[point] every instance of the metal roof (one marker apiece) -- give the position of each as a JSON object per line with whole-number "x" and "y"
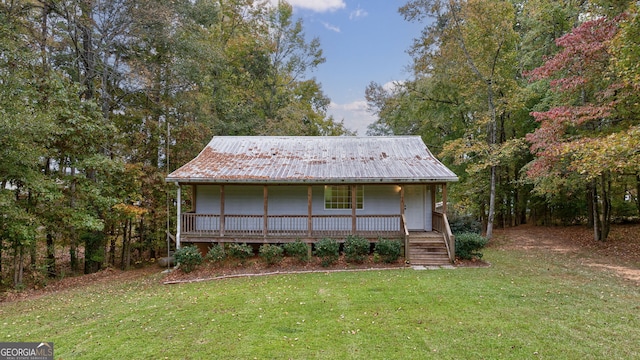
{"x": 314, "y": 159}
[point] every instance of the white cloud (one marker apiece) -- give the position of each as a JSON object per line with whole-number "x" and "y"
{"x": 317, "y": 5}
{"x": 331, "y": 27}
{"x": 355, "y": 115}
{"x": 393, "y": 86}
{"x": 358, "y": 13}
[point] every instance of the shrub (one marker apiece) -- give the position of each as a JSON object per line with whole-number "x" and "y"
{"x": 328, "y": 250}
{"x": 188, "y": 257}
{"x": 388, "y": 250}
{"x": 468, "y": 244}
{"x": 216, "y": 253}
{"x": 240, "y": 251}
{"x": 271, "y": 254}
{"x": 298, "y": 250}
{"x": 356, "y": 248}
{"x": 460, "y": 224}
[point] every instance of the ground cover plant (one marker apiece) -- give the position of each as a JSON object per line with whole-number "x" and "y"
{"x": 271, "y": 254}
{"x": 298, "y": 250}
{"x": 188, "y": 257}
{"x": 328, "y": 250}
{"x": 216, "y": 253}
{"x": 468, "y": 245}
{"x": 535, "y": 301}
{"x": 388, "y": 250}
{"x": 356, "y": 248}
{"x": 240, "y": 251}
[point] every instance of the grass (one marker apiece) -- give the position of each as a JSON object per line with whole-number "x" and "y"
{"x": 527, "y": 305}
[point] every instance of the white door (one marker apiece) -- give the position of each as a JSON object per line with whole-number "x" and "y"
{"x": 414, "y": 202}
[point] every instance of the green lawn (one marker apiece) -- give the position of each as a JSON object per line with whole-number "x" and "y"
{"x": 533, "y": 305}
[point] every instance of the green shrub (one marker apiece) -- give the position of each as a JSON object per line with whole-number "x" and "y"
{"x": 188, "y": 257}
{"x": 460, "y": 224}
{"x": 271, "y": 254}
{"x": 388, "y": 250}
{"x": 468, "y": 244}
{"x": 356, "y": 248}
{"x": 328, "y": 250}
{"x": 298, "y": 250}
{"x": 240, "y": 251}
{"x": 216, "y": 253}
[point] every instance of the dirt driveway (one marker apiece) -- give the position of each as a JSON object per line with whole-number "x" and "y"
{"x": 620, "y": 253}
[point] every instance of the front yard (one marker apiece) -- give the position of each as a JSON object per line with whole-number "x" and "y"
{"x": 534, "y": 301}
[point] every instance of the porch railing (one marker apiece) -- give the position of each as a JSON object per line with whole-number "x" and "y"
{"x": 405, "y": 235}
{"x": 441, "y": 225}
{"x": 289, "y": 225}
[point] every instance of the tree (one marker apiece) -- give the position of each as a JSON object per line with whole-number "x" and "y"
{"x": 589, "y": 130}
{"x": 471, "y": 44}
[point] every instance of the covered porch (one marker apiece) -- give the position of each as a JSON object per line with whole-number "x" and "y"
{"x": 223, "y": 227}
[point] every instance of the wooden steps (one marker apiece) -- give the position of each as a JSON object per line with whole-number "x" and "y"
{"x": 428, "y": 249}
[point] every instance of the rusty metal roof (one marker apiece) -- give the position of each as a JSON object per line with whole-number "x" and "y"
{"x": 314, "y": 159}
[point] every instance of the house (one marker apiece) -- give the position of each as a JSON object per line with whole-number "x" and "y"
{"x": 275, "y": 189}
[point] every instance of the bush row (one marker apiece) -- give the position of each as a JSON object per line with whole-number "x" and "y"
{"x": 355, "y": 249}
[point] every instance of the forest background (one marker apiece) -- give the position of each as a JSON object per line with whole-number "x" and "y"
{"x": 533, "y": 103}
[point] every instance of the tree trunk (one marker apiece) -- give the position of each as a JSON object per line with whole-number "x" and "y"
{"x": 638, "y": 192}
{"x": 93, "y": 251}
{"x": 50, "y": 264}
{"x": 127, "y": 254}
{"x": 492, "y": 203}
{"x": 33, "y": 255}
{"x": 73, "y": 245}
{"x": 595, "y": 210}
{"x": 606, "y": 205}
{"x": 590, "y": 199}
{"x": 1, "y": 247}
{"x": 112, "y": 246}
{"x": 124, "y": 245}
{"x": 18, "y": 266}
{"x": 73, "y": 256}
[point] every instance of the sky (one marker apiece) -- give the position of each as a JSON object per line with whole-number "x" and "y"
{"x": 362, "y": 41}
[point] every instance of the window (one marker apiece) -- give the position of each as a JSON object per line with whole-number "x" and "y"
{"x": 339, "y": 197}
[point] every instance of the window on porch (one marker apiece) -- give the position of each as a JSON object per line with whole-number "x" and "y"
{"x": 338, "y": 197}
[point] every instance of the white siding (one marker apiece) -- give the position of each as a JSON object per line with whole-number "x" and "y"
{"x": 287, "y": 200}
{"x": 291, "y": 200}
{"x": 207, "y": 199}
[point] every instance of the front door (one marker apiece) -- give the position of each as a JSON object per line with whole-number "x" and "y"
{"x": 414, "y": 202}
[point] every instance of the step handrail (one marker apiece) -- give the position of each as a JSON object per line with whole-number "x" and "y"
{"x": 406, "y": 237}
{"x": 441, "y": 224}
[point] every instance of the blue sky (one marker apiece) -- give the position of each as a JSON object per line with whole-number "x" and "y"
{"x": 362, "y": 41}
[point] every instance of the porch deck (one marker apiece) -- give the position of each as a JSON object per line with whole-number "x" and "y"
{"x": 420, "y": 247}
{"x": 283, "y": 228}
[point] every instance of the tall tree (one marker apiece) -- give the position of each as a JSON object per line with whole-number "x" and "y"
{"x": 590, "y": 122}
{"x": 473, "y": 43}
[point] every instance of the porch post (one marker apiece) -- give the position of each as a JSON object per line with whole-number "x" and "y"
{"x": 401, "y": 200}
{"x": 354, "y": 206}
{"x": 221, "y": 210}
{"x": 309, "y": 210}
{"x": 265, "y": 219}
{"x": 179, "y": 219}
{"x": 403, "y": 224}
{"x": 444, "y": 198}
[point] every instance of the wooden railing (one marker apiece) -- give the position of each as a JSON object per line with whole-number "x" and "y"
{"x": 405, "y": 235}
{"x": 290, "y": 225}
{"x": 441, "y": 225}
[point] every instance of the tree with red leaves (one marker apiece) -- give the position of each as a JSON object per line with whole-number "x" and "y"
{"x": 590, "y": 128}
